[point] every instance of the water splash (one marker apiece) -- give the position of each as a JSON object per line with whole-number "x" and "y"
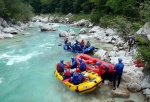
{"x": 12, "y": 59}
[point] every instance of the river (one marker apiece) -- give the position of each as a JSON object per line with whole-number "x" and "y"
{"x": 27, "y": 66}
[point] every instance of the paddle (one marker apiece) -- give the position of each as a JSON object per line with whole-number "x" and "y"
{"x": 60, "y": 44}
{"x": 66, "y": 80}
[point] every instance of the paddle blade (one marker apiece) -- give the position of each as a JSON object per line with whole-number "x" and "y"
{"x": 59, "y": 44}
{"x": 66, "y": 80}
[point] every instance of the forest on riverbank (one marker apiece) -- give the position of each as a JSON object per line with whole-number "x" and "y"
{"x": 125, "y": 15}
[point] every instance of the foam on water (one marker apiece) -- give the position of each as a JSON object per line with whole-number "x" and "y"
{"x": 1, "y": 80}
{"x": 47, "y": 45}
{"x": 12, "y": 59}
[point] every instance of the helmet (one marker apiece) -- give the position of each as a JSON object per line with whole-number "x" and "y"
{"x": 72, "y": 58}
{"x": 77, "y": 70}
{"x": 98, "y": 63}
{"x": 119, "y": 60}
{"x": 61, "y": 61}
{"x": 80, "y": 60}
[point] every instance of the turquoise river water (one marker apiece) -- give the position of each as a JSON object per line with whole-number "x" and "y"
{"x": 27, "y": 70}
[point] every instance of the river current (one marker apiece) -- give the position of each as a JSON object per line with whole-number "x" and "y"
{"x": 27, "y": 66}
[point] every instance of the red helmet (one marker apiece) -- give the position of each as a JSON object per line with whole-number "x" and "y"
{"x": 77, "y": 70}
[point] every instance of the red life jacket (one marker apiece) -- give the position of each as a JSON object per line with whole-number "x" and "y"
{"x": 67, "y": 73}
{"x": 58, "y": 67}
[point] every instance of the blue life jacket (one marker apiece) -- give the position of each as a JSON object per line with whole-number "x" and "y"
{"x": 82, "y": 66}
{"x": 77, "y": 78}
{"x": 119, "y": 68}
{"x": 62, "y": 66}
{"x": 74, "y": 64}
{"x": 66, "y": 41}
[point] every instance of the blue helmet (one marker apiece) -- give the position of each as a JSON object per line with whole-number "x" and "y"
{"x": 61, "y": 61}
{"x": 80, "y": 60}
{"x": 119, "y": 60}
{"x": 72, "y": 58}
{"x": 98, "y": 63}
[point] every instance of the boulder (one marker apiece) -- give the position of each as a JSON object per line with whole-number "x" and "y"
{"x": 145, "y": 29}
{"x": 133, "y": 87}
{"x": 147, "y": 93}
{"x": 121, "y": 93}
{"x": 112, "y": 54}
{"x": 7, "y": 36}
{"x": 127, "y": 78}
{"x": 1, "y": 36}
{"x": 94, "y": 29}
{"x": 83, "y": 22}
{"x": 148, "y": 36}
{"x": 10, "y": 30}
{"x": 3, "y": 23}
{"x": 83, "y": 31}
{"x": 145, "y": 82}
{"x": 101, "y": 54}
{"x": 110, "y": 32}
{"x": 47, "y": 27}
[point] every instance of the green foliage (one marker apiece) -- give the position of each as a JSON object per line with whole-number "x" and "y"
{"x": 80, "y": 16}
{"x": 144, "y": 51}
{"x": 95, "y": 16}
{"x": 142, "y": 40}
{"x": 15, "y": 9}
{"x": 118, "y": 22}
{"x": 145, "y": 11}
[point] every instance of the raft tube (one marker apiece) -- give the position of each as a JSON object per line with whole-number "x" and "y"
{"x": 85, "y": 50}
{"x": 87, "y": 86}
{"x": 91, "y": 62}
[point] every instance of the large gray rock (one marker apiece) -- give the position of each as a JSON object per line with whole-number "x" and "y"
{"x": 134, "y": 87}
{"x": 101, "y": 54}
{"x": 8, "y": 36}
{"x": 94, "y": 29}
{"x": 10, "y": 30}
{"x": 111, "y": 32}
{"x": 1, "y": 36}
{"x": 83, "y": 31}
{"x": 147, "y": 93}
{"x": 50, "y": 27}
{"x": 148, "y": 36}
{"x": 83, "y": 22}
{"x": 145, "y": 83}
{"x": 5, "y": 36}
{"x": 121, "y": 93}
{"x": 66, "y": 33}
{"x": 145, "y": 29}
{"x": 3, "y": 23}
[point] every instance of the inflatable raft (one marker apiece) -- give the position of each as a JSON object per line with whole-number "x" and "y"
{"x": 91, "y": 62}
{"x": 84, "y": 87}
{"x": 84, "y": 50}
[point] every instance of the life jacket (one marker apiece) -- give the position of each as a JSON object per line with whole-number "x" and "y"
{"x": 106, "y": 67}
{"x": 67, "y": 73}
{"x": 78, "y": 78}
{"x": 59, "y": 68}
{"x": 131, "y": 41}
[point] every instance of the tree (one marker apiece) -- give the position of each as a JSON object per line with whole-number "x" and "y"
{"x": 145, "y": 11}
